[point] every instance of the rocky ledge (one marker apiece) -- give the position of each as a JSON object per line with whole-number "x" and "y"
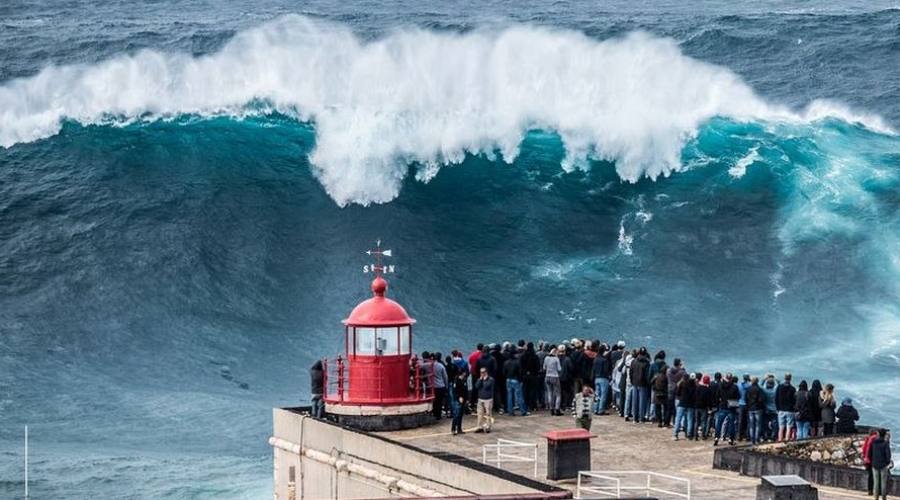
{"x": 841, "y": 450}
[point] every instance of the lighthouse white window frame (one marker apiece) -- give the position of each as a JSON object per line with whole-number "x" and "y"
{"x": 379, "y": 341}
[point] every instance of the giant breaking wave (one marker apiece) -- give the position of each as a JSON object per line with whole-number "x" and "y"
{"x": 417, "y": 97}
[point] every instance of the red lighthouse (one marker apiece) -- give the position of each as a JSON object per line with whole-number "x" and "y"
{"x": 378, "y": 384}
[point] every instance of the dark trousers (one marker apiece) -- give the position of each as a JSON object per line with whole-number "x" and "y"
{"x": 659, "y": 410}
{"x": 827, "y": 429}
{"x": 532, "y": 391}
{"x": 440, "y": 394}
{"x": 499, "y": 394}
{"x": 567, "y": 394}
{"x": 670, "y": 409}
{"x": 870, "y": 482}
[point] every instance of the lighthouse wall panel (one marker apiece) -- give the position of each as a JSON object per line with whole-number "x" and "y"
{"x": 363, "y": 464}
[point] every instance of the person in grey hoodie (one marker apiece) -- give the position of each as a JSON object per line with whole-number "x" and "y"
{"x": 552, "y": 387}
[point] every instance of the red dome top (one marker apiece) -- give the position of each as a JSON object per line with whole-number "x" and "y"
{"x": 379, "y": 310}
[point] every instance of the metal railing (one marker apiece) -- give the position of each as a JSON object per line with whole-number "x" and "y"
{"x": 337, "y": 380}
{"x": 612, "y": 487}
{"x": 500, "y": 456}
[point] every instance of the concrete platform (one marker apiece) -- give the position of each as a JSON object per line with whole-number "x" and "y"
{"x": 620, "y": 445}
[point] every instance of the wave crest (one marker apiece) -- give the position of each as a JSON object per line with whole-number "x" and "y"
{"x": 417, "y": 96}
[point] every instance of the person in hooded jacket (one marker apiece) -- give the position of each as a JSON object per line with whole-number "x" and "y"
{"x": 500, "y": 356}
{"x": 815, "y": 397}
{"x": 770, "y": 417}
{"x": 602, "y": 371}
{"x": 531, "y": 372}
{"x": 640, "y": 385}
{"x": 658, "y": 365}
{"x": 675, "y": 373}
{"x": 846, "y": 417}
{"x": 566, "y": 376}
{"x": 703, "y": 404}
{"x": 317, "y": 389}
{"x": 660, "y": 397}
{"x": 727, "y": 400}
{"x": 804, "y": 410}
{"x": 685, "y": 392}
{"x": 880, "y": 451}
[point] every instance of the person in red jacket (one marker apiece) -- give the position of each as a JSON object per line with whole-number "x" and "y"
{"x": 867, "y": 457}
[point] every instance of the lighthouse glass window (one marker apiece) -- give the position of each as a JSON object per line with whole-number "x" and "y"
{"x": 377, "y": 341}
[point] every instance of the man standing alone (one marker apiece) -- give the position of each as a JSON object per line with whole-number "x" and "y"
{"x": 484, "y": 389}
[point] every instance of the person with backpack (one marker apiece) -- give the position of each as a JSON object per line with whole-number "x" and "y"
{"x": 660, "y": 397}
{"x": 457, "y": 396}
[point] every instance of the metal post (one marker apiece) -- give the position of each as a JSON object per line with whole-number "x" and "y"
{"x": 535, "y": 461}
{"x": 578, "y": 489}
{"x": 648, "y": 484}
{"x": 26, "y": 461}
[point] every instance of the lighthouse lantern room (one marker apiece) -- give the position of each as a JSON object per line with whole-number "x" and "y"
{"x": 378, "y": 384}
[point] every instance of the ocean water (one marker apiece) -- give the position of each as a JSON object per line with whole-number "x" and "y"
{"x": 187, "y": 189}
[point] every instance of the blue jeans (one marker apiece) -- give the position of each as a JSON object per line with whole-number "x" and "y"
{"x": 628, "y": 393}
{"x": 755, "y": 425}
{"x": 456, "y": 409}
{"x": 702, "y": 420}
{"x": 684, "y": 416}
{"x": 318, "y": 406}
{"x": 721, "y": 415}
{"x": 601, "y": 385}
{"x": 640, "y": 397}
{"x": 803, "y": 429}
{"x": 514, "y": 393}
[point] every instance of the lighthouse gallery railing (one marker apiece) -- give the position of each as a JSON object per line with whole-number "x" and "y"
{"x": 337, "y": 381}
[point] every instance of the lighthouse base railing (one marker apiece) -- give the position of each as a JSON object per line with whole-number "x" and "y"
{"x": 339, "y": 390}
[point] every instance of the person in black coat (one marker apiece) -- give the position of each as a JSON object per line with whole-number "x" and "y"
{"x": 846, "y": 418}
{"x": 602, "y": 371}
{"x": 317, "y": 389}
{"x": 882, "y": 464}
{"x": 727, "y": 401}
{"x": 531, "y": 371}
{"x": 756, "y": 407}
{"x": 785, "y": 401}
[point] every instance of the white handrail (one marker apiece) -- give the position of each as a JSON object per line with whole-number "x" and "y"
{"x": 648, "y": 487}
{"x": 500, "y": 457}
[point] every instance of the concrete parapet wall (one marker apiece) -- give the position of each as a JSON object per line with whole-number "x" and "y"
{"x": 320, "y": 452}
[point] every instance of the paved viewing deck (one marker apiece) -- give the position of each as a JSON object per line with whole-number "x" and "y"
{"x": 619, "y": 446}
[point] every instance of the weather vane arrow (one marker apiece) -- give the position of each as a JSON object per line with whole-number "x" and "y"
{"x": 378, "y": 268}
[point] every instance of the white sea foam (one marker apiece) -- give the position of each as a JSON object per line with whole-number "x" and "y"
{"x": 416, "y": 96}
{"x": 740, "y": 167}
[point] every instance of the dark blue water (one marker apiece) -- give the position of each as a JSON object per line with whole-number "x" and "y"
{"x": 186, "y": 190}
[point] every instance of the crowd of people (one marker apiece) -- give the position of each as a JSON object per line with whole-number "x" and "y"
{"x": 592, "y": 378}
{"x": 588, "y": 378}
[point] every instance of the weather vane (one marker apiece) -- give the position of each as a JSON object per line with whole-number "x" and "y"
{"x": 378, "y": 267}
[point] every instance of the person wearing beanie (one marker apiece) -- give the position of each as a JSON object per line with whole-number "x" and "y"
{"x": 846, "y": 418}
